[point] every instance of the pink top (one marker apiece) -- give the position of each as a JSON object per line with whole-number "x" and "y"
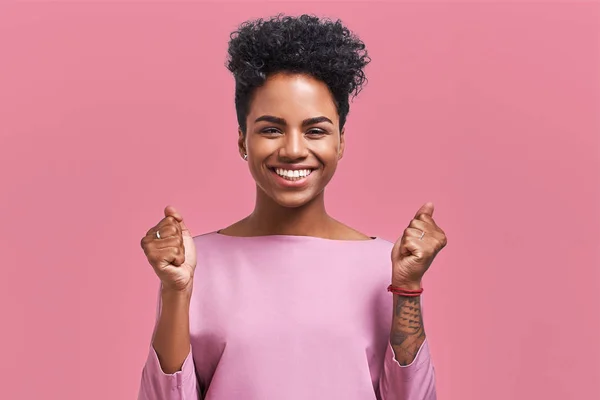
{"x": 291, "y": 317}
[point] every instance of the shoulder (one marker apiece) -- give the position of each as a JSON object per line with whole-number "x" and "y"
{"x": 206, "y": 238}
{"x": 346, "y": 232}
{"x": 353, "y": 234}
{"x": 382, "y": 246}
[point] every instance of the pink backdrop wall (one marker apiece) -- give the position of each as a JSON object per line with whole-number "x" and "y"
{"x": 109, "y": 112}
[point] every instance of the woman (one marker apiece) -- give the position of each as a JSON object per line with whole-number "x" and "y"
{"x": 289, "y": 303}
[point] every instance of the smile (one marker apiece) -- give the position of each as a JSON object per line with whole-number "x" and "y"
{"x": 292, "y": 174}
{"x": 292, "y": 178}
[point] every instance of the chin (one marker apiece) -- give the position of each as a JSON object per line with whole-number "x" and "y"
{"x": 292, "y": 200}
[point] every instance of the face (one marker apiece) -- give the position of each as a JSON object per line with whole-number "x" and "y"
{"x": 292, "y": 138}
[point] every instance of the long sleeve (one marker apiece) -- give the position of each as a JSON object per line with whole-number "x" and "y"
{"x": 415, "y": 381}
{"x": 156, "y": 385}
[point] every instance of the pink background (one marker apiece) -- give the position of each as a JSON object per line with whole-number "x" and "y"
{"x": 110, "y": 111}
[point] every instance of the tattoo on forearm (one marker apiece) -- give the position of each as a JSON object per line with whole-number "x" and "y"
{"x": 407, "y": 329}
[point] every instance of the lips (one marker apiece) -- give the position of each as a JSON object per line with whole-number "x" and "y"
{"x": 293, "y": 174}
{"x": 292, "y": 178}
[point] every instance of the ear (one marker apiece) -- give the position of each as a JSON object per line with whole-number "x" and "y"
{"x": 241, "y": 142}
{"x": 342, "y": 144}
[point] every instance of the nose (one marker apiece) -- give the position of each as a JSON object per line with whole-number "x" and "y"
{"x": 294, "y": 146}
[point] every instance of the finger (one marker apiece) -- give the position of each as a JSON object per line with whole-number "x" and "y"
{"x": 184, "y": 229}
{"x": 169, "y": 237}
{"x": 422, "y": 225}
{"x": 409, "y": 246}
{"x": 163, "y": 223}
{"x": 172, "y": 211}
{"x": 171, "y": 241}
{"x": 168, "y": 227}
{"x": 426, "y": 209}
{"x": 159, "y": 258}
{"x": 425, "y": 217}
{"x": 413, "y": 233}
{"x": 431, "y": 230}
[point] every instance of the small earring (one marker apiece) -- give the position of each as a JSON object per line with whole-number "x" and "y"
{"x": 245, "y": 156}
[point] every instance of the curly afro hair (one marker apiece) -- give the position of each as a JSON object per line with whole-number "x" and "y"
{"x": 322, "y": 48}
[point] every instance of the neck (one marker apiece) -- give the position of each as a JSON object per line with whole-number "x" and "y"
{"x": 270, "y": 218}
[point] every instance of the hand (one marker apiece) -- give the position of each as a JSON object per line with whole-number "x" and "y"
{"x": 173, "y": 256}
{"x": 412, "y": 257}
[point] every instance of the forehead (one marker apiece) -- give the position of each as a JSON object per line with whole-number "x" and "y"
{"x": 293, "y": 97}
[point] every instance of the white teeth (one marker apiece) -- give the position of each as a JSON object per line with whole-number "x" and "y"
{"x": 293, "y": 174}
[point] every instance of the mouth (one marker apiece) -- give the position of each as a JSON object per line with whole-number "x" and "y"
{"x": 292, "y": 177}
{"x": 292, "y": 174}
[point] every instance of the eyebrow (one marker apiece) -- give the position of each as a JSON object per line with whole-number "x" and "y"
{"x": 281, "y": 121}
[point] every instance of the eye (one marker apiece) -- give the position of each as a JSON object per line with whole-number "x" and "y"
{"x": 270, "y": 131}
{"x": 316, "y": 132}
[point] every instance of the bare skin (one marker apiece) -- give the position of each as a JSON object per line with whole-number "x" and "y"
{"x": 332, "y": 229}
{"x": 407, "y": 333}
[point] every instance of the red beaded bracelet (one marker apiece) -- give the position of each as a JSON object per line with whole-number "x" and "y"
{"x": 404, "y": 292}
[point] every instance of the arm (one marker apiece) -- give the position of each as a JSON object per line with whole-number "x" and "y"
{"x": 169, "y": 371}
{"x": 407, "y": 333}
{"x": 172, "y": 337}
{"x": 408, "y": 372}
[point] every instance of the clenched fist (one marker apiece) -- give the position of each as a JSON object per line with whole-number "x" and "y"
{"x": 172, "y": 252}
{"x": 414, "y": 252}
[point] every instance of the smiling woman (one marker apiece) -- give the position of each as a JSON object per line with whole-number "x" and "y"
{"x": 293, "y": 79}
{"x": 290, "y": 303}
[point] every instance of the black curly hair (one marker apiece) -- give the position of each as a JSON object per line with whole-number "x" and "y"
{"x": 322, "y": 48}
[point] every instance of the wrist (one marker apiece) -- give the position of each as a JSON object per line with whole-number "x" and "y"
{"x": 175, "y": 295}
{"x": 408, "y": 285}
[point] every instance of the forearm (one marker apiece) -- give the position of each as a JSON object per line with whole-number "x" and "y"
{"x": 172, "y": 337}
{"x": 407, "y": 333}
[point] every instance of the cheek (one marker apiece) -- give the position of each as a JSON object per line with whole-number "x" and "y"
{"x": 328, "y": 151}
{"x": 262, "y": 149}
{"x": 255, "y": 169}
{"x": 330, "y": 168}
